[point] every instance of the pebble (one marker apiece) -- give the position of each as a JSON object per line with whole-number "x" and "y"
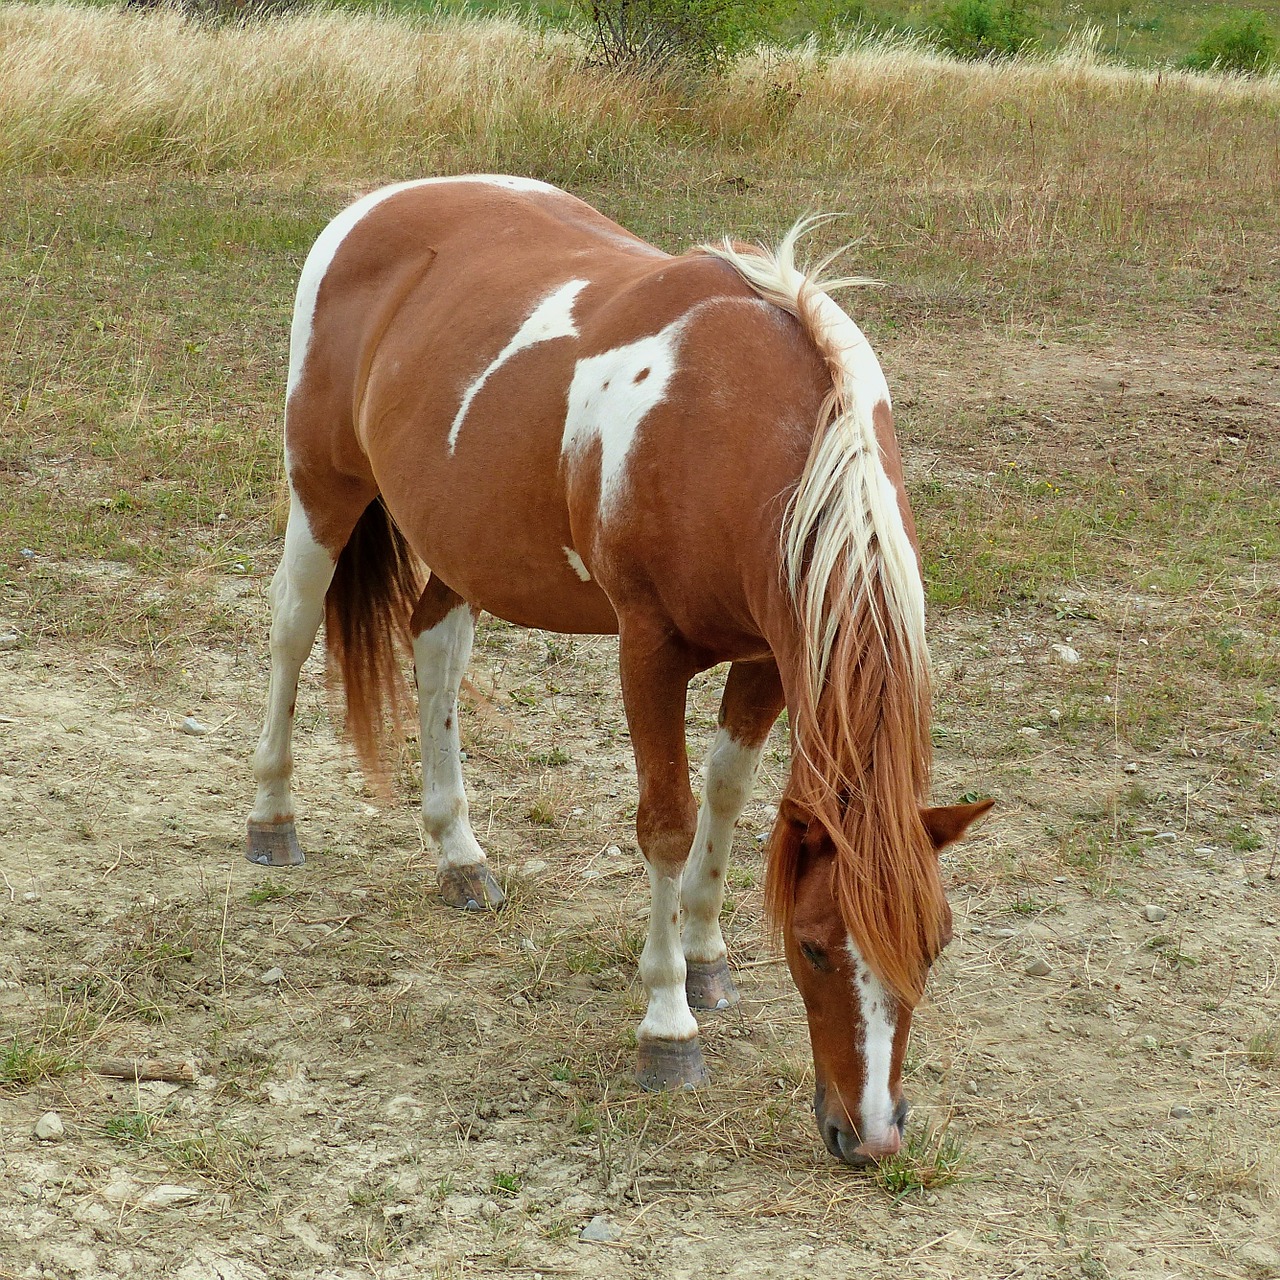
{"x": 272, "y": 976}
{"x": 1149, "y": 1042}
{"x": 1180, "y": 1113}
{"x": 489, "y": 1209}
{"x": 1131, "y": 767}
{"x": 1154, "y": 913}
{"x": 1003, "y": 933}
{"x": 49, "y": 1127}
{"x": 1067, "y": 654}
{"x": 535, "y": 867}
{"x": 193, "y": 726}
{"x": 1029, "y": 731}
{"x": 1077, "y": 1104}
{"x": 1166, "y": 835}
{"x": 31, "y": 896}
{"x": 1039, "y": 968}
{"x": 1055, "y": 716}
{"x": 8, "y": 639}
{"x": 1144, "y": 831}
{"x": 971, "y": 1086}
{"x": 168, "y": 1195}
{"x": 601, "y": 1230}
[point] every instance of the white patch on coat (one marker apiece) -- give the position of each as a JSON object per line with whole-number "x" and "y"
{"x": 575, "y": 563}
{"x": 610, "y": 396}
{"x": 877, "y": 1048}
{"x": 330, "y": 239}
{"x": 552, "y": 318}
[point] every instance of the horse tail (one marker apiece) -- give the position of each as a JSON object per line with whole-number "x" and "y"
{"x": 376, "y": 584}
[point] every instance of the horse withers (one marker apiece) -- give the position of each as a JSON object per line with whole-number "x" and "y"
{"x": 578, "y": 432}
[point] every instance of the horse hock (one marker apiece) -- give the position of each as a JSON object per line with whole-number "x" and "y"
{"x": 670, "y": 1064}
{"x": 273, "y": 844}
{"x": 471, "y": 888}
{"x": 710, "y": 986}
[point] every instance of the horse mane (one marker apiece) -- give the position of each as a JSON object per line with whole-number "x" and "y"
{"x": 861, "y": 746}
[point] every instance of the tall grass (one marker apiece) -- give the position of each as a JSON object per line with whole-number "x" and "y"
{"x": 91, "y": 89}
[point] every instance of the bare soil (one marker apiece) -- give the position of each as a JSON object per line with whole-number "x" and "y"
{"x": 426, "y": 1093}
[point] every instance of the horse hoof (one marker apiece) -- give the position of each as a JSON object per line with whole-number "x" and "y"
{"x": 709, "y": 986}
{"x": 273, "y": 844}
{"x": 471, "y": 888}
{"x": 670, "y": 1064}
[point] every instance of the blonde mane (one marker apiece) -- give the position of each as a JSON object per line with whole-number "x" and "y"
{"x": 861, "y": 755}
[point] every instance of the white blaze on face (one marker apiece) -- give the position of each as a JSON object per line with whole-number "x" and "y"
{"x": 877, "y": 1009}
{"x": 551, "y": 318}
{"x": 610, "y": 396}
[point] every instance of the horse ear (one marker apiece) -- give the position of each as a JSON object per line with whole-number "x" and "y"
{"x": 947, "y": 823}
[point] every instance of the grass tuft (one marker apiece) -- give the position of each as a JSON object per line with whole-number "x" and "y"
{"x": 928, "y": 1160}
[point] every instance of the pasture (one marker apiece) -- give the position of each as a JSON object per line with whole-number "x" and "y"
{"x": 1079, "y": 325}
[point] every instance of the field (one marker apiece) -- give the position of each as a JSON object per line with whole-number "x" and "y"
{"x": 1079, "y": 323}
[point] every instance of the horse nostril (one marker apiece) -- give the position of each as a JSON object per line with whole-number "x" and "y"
{"x": 900, "y": 1113}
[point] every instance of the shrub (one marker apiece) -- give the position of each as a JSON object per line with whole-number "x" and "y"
{"x": 1242, "y": 43}
{"x": 657, "y": 37}
{"x": 983, "y": 29}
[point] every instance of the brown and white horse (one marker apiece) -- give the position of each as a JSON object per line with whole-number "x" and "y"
{"x": 579, "y": 432}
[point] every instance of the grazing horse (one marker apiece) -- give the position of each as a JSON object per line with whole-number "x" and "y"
{"x": 579, "y": 432}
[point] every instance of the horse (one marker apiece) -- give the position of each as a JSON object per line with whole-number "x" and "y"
{"x": 579, "y": 432}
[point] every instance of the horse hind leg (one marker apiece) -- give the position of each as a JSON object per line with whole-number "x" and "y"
{"x": 443, "y": 628}
{"x": 297, "y": 607}
{"x": 753, "y": 699}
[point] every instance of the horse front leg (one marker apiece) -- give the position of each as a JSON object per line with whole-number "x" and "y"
{"x": 753, "y": 699}
{"x": 655, "y": 676}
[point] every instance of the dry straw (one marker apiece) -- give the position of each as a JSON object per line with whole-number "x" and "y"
{"x": 101, "y": 89}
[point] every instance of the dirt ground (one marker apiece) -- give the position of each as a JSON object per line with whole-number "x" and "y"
{"x": 414, "y": 1092}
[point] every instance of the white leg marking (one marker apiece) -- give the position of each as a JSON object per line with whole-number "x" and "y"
{"x": 731, "y": 773}
{"x": 662, "y": 966}
{"x": 297, "y": 606}
{"x": 575, "y": 563}
{"x": 440, "y": 656}
{"x": 877, "y": 1048}
{"x": 551, "y": 318}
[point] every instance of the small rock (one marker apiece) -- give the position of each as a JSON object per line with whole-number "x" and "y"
{"x": 1131, "y": 767}
{"x": 8, "y": 639}
{"x": 1165, "y": 835}
{"x": 1149, "y": 1042}
{"x": 613, "y": 851}
{"x": 31, "y": 896}
{"x": 1180, "y": 1113}
{"x": 971, "y": 1086}
{"x": 1003, "y": 933}
{"x": 1038, "y": 968}
{"x": 489, "y": 1209}
{"x": 1055, "y": 716}
{"x": 193, "y": 726}
{"x": 1144, "y": 831}
{"x": 1029, "y": 731}
{"x": 272, "y": 976}
{"x": 49, "y": 1127}
{"x": 535, "y": 867}
{"x": 27, "y": 554}
{"x": 169, "y": 1195}
{"x": 601, "y": 1230}
{"x": 1077, "y": 1104}
{"x": 1066, "y": 654}
{"x": 1204, "y": 848}
{"x": 1154, "y": 913}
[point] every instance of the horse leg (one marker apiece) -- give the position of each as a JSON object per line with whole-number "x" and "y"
{"x": 443, "y": 627}
{"x": 752, "y": 701}
{"x": 297, "y": 607}
{"x": 655, "y": 675}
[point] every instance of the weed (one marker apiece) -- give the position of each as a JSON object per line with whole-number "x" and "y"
{"x": 1242, "y": 839}
{"x": 24, "y": 1061}
{"x": 1263, "y": 1049}
{"x": 131, "y": 1128}
{"x": 928, "y": 1160}
{"x": 506, "y": 1184}
{"x": 269, "y": 891}
{"x": 979, "y": 29}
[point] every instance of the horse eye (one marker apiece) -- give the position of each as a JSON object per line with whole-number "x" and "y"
{"x": 815, "y": 956}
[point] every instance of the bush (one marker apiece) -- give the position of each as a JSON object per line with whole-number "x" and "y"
{"x": 982, "y": 29}
{"x": 656, "y": 37}
{"x": 1243, "y": 44}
